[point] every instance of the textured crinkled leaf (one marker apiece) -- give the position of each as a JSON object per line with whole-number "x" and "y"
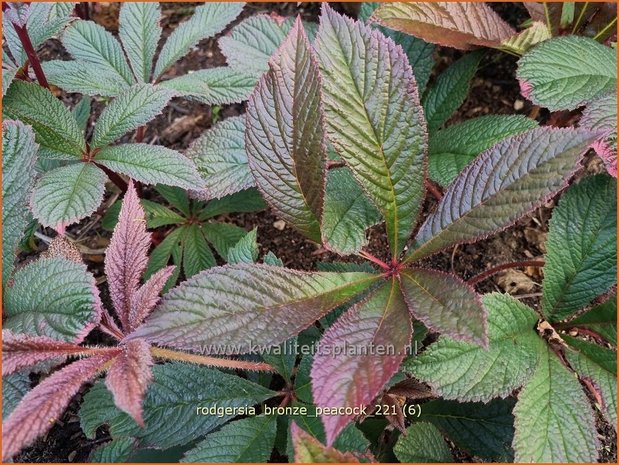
{"x": 484, "y": 430}
{"x": 151, "y": 164}
{"x": 284, "y": 135}
{"x": 307, "y": 449}
{"x": 19, "y": 155}
{"x": 129, "y": 376}
{"x": 170, "y": 404}
{"x": 566, "y": 72}
{"x": 126, "y": 256}
{"x": 41, "y": 407}
{"x": 66, "y": 195}
{"x": 501, "y": 185}
{"x": 245, "y": 250}
{"x": 197, "y": 255}
{"x": 54, "y": 125}
{"x": 7, "y": 78}
{"x": 90, "y": 43}
{"x": 52, "y": 297}
{"x": 601, "y": 319}
{"x": 554, "y": 421}
{"x": 459, "y": 25}
{"x": 222, "y": 305}
{"x": 89, "y": 79}
{"x": 446, "y": 304}
{"x": 423, "y": 443}
{"x": 271, "y": 259}
{"x": 347, "y": 213}
{"x": 213, "y": 86}
{"x": 207, "y": 20}
{"x": 115, "y": 451}
{"x": 465, "y": 371}
{"x": 347, "y": 371}
{"x": 454, "y": 147}
{"x": 374, "y": 118}
{"x": 520, "y": 43}
{"x": 601, "y": 114}
{"x": 581, "y": 258}
{"x": 223, "y": 236}
{"x": 598, "y": 365}
{"x": 139, "y": 30}
{"x": 419, "y": 52}
{"x": 14, "y": 388}
{"x": 219, "y": 154}
{"x": 249, "y": 440}
{"x": 130, "y": 110}
{"x": 449, "y": 91}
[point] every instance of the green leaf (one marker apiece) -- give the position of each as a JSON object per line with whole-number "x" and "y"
{"x": 91, "y": 44}
{"x": 150, "y": 164}
{"x": 307, "y": 449}
{"x": 223, "y": 236}
{"x": 213, "y": 86}
{"x": 176, "y": 196}
{"x": 65, "y": 195}
{"x": 484, "y": 430}
{"x": 207, "y": 20}
{"x": 219, "y": 155}
{"x": 248, "y": 200}
{"x": 271, "y": 259}
{"x": 347, "y": 213}
{"x": 519, "y": 44}
{"x": 139, "y": 31}
{"x": 598, "y": 365}
{"x": 245, "y": 250}
{"x": 564, "y": 73}
{"x": 197, "y": 255}
{"x": 7, "y": 78}
{"x": 52, "y": 297}
{"x": 501, "y": 185}
{"x": 283, "y": 358}
{"x": 19, "y": 155}
{"x": 170, "y": 404}
{"x": 601, "y": 319}
{"x": 130, "y": 110}
{"x": 374, "y": 118}
{"x": 581, "y": 258}
{"x": 423, "y": 443}
{"x": 160, "y": 256}
{"x": 282, "y": 300}
{"x": 116, "y": 451}
{"x": 90, "y": 79}
{"x": 450, "y": 90}
{"x": 249, "y": 440}
{"x": 553, "y": 418}
{"x": 419, "y": 53}
{"x": 465, "y": 371}
{"x": 14, "y": 387}
{"x": 284, "y": 135}
{"x": 453, "y": 148}
{"x": 54, "y": 125}
{"x": 81, "y": 112}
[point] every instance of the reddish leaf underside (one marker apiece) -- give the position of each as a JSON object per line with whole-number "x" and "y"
{"x": 147, "y": 296}
{"x": 42, "y": 406}
{"x": 360, "y": 353}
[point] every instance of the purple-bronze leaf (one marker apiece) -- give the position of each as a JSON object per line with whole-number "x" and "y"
{"x": 41, "y": 407}
{"x": 126, "y": 256}
{"x": 246, "y": 307}
{"x": 359, "y": 354}
{"x": 501, "y": 185}
{"x": 129, "y": 376}
{"x": 374, "y": 118}
{"x": 147, "y": 296}
{"x": 307, "y": 449}
{"x": 23, "y": 350}
{"x": 446, "y": 304}
{"x": 460, "y": 25}
{"x": 284, "y": 135}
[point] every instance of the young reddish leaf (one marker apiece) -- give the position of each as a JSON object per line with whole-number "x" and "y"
{"x": 445, "y": 303}
{"x": 129, "y": 376}
{"x": 452, "y": 24}
{"x": 22, "y": 350}
{"x": 374, "y": 118}
{"x": 360, "y": 353}
{"x": 307, "y": 449}
{"x": 240, "y": 308}
{"x": 41, "y": 407}
{"x": 284, "y": 135}
{"x": 126, "y": 256}
{"x": 147, "y": 296}
{"x": 501, "y": 185}
{"x": 601, "y": 114}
